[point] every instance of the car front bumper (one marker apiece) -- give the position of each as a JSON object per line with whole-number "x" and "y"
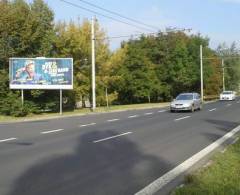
{"x": 226, "y": 98}
{"x": 173, "y": 108}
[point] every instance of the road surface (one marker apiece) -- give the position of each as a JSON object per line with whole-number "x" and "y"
{"x": 106, "y": 154}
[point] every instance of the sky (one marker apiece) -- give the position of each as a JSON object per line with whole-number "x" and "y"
{"x": 216, "y": 19}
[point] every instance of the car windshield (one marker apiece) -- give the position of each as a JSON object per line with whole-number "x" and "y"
{"x": 227, "y": 93}
{"x": 185, "y": 97}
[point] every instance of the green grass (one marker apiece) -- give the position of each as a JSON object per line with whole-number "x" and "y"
{"x": 82, "y": 111}
{"x": 222, "y": 177}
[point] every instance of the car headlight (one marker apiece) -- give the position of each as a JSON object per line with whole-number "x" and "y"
{"x": 187, "y": 105}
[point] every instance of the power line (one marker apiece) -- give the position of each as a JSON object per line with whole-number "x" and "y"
{"x": 109, "y": 17}
{"x": 126, "y": 36}
{"x": 144, "y": 34}
{"x": 120, "y": 15}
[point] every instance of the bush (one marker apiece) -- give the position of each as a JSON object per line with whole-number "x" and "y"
{"x": 11, "y": 105}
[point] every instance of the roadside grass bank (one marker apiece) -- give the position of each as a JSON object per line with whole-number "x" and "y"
{"x": 220, "y": 177}
{"x": 83, "y": 111}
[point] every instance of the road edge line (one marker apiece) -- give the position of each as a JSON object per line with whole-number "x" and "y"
{"x": 159, "y": 183}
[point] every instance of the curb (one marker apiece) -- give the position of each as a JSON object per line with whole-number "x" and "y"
{"x": 81, "y": 114}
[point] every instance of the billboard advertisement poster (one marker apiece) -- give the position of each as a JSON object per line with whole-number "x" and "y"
{"x": 41, "y": 73}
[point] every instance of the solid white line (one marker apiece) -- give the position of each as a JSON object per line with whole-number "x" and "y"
{"x": 180, "y": 169}
{"x": 234, "y": 141}
{"x": 86, "y": 125}
{"x": 9, "y": 139}
{"x": 133, "y": 116}
{"x": 112, "y": 137}
{"x": 212, "y": 109}
{"x": 149, "y": 113}
{"x": 112, "y": 120}
{"x": 178, "y": 119}
{"x": 160, "y": 111}
{"x": 51, "y": 131}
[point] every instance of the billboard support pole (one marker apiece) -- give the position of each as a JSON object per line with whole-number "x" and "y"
{"x": 60, "y": 106}
{"x": 22, "y": 96}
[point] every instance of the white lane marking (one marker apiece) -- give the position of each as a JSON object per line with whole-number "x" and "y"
{"x": 8, "y": 139}
{"x": 159, "y": 183}
{"x": 149, "y": 113}
{"x": 228, "y": 104}
{"x": 212, "y": 109}
{"x": 112, "y": 120}
{"x": 178, "y": 119}
{"x": 238, "y": 102}
{"x": 160, "y": 111}
{"x": 234, "y": 141}
{"x": 52, "y": 131}
{"x": 133, "y": 116}
{"x": 86, "y": 125}
{"x": 112, "y": 137}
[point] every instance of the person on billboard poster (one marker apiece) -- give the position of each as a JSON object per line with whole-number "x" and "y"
{"x": 28, "y": 73}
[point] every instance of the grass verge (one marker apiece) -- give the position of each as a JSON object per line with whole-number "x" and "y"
{"x": 221, "y": 177}
{"x": 83, "y": 112}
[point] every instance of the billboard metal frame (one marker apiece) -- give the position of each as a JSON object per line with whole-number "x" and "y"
{"x": 44, "y": 87}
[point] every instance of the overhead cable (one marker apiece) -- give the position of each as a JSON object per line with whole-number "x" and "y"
{"x": 103, "y": 15}
{"x": 119, "y": 15}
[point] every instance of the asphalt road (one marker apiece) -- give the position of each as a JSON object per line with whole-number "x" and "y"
{"x": 106, "y": 154}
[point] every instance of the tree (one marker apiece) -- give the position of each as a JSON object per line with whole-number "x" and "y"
{"x": 74, "y": 40}
{"x": 26, "y": 30}
{"x": 138, "y": 80}
{"x": 231, "y": 58}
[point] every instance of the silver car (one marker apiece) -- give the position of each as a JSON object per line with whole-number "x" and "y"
{"x": 186, "y": 101}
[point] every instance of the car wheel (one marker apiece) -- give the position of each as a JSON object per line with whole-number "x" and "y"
{"x": 200, "y": 107}
{"x": 192, "y": 109}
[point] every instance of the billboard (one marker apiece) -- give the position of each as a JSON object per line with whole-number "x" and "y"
{"x": 41, "y": 73}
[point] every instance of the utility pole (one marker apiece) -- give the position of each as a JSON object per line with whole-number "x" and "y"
{"x": 93, "y": 66}
{"x": 223, "y": 69}
{"x": 201, "y": 70}
{"x": 106, "y": 93}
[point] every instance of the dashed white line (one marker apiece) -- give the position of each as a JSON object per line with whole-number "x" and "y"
{"x": 112, "y": 137}
{"x": 149, "y": 113}
{"x": 228, "y": 104}
{"x": 86, "y": 125}
{"x": 8, "y": 139}
{"x": 133, "y": 116}
{"x": 52, "y": 131}
{"x": 160, "y": 111}
{"x": 178, "y": 119}
{"x": 238, "y": 102}
{"x": 112, "y": 120}
{"x": 212, "y": 109}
